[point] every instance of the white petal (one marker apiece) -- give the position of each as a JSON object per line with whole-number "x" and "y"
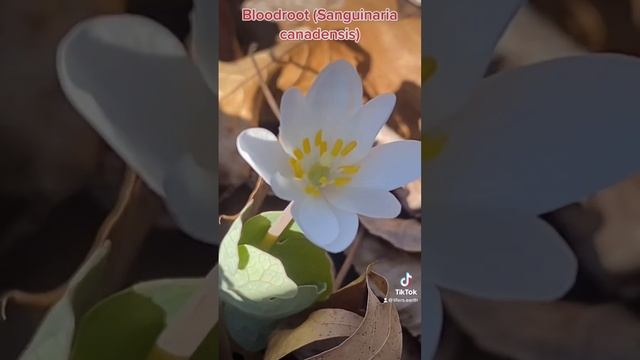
{"x": 390, "y": 166}
{"x": 192, "y": 197}
{"x": 334, "y": 97}
{"x": 316, "y": 219}
{"x": 295, "y": 121}
{"x": 497, "y": 254}
{"x": 461, "y": 36}
{"x": 287, "y": 188}
{"x": 366, "y": 124}
{"x": 134, "y": 83}
{"x": 373, "y": 203}
{"x": 347, "y": 230}
{"x": 204, "y": 30}
{"x": 260, "y": 148}
{"x": 432, "y": 320}
{"x": 542, "y": 136}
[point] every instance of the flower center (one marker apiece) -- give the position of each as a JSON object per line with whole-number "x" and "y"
{"x": 319, "y": 165}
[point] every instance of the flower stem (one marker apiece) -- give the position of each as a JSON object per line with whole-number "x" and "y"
{"x": 277, "y": 228}
{"x": 182, "y": 336}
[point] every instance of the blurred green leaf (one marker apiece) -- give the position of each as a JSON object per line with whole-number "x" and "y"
{"x": 54, "y": 337}
{"x": 125, "y": 326}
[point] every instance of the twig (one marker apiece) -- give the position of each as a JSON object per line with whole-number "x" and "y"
{"x": 49, "y": 298}
{"x": 271, "y": 101}
{"x": 348, "y": 261}
{"x": 258, "y": 195}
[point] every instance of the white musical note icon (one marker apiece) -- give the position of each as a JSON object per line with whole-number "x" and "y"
{"x": 406, "y": 280}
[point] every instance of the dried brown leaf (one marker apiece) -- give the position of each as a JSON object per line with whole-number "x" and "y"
{"x": 405, "y": 234}
{"x": 240, "y": 100}
{"x": 306, "y": 61}
{"x": 617, "y": 241}
{"x": 395, "y": 68}
{"x": 393, "y": 263}
{"x": 377, "y": 336}
{"x": 550, "y": 331}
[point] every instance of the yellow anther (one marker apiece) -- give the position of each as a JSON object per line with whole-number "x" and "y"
{"x": 323, "y": 181}
{"x": 312, "y": 190}
{"x": 349, "y": 169}
{"x": 342, "y": 181}
{"x": 298, "y": 153}
{"x": 318, "y": 139}
{"x": 429, "y": 67}
{"x": 323, "y": 147}
{"x": 349, "y": 148}
{"x": 296, "y": 166}
{"x": 335, "y": 151}
{"x": 306, "y": 145}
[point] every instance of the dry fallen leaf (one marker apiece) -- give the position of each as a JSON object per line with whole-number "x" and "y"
{"x": 550, "y": 331}
{"x": 405, "y": 234}
{"x": 306, "y": 61}
{"x": 396, "y": 68}
{"x": 374, "y": 334}
{"x": 617, "y": 241}
{"x": 394, "y": 264}
{"x": 240, "y": 100}
{"x": 388, "y": 58}
{"x": 604, "y": 234}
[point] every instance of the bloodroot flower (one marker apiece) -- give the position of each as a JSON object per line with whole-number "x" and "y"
{"x": 323, "y": 160}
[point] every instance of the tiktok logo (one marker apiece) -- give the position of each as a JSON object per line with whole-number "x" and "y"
{"x": 406, "y": 280}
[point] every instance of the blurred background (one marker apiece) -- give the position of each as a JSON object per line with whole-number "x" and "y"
{"x": 58, "y": 180}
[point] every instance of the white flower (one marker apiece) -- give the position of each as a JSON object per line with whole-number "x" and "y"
{"x": 519, "y": 144}
{"x": 135, "y": 83}
{"x": 323, "y": 160}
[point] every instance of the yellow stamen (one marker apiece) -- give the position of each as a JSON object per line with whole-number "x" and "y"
{"x": 318, "y": 139}
{"x": 323, "y": 147}
{"x": 306, "y": 145}
{"x": 349, "y": 148}
{"x": 350, "y": 169}
{"x": 342, "y": 181}
{"x": 298, "y": 153}
{"x": 337, "y": 147}
{"x": 323, "y": 180}
{"x": 296, "y": 166}
{"x": 312, "y": 190}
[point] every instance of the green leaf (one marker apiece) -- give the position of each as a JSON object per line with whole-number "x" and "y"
{"x": 54, "y": 337}
{"x": 126, "y": 325}
{"x": 262, "y": 287}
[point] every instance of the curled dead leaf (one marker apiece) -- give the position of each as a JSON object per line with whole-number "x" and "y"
{"x": 371, "y": 327}
{"x": 393, "y": 263}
